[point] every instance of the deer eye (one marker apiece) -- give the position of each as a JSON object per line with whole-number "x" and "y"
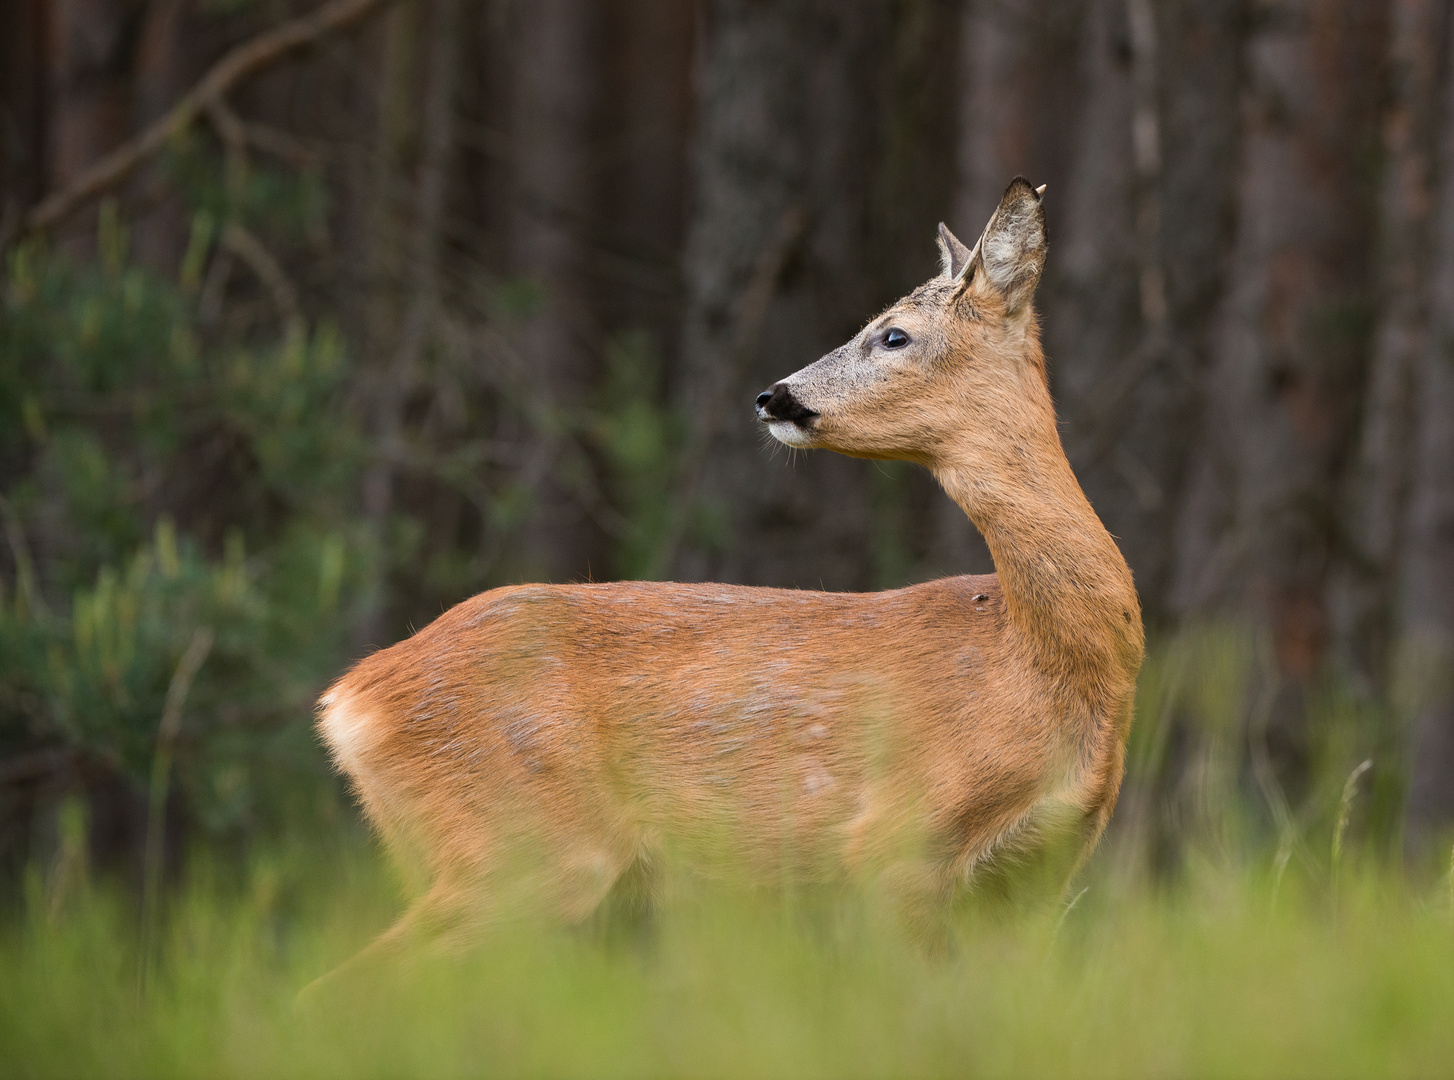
{"x": 894, "y": 338}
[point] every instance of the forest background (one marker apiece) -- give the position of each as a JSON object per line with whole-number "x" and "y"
{"x": 319, "y": 318}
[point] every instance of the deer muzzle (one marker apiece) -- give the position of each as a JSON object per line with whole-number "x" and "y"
{"x": 778, "y": 403}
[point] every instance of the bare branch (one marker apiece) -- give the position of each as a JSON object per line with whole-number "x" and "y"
{"x": 247, "y": 247}
{"x": 227, "y": 72}
{"x": 166, "y": 741}
{"x": 239, "y": 134}
{"x": 280, "y": 144}
{"x": 233, "y": 134}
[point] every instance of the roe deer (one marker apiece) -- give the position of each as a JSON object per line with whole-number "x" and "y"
{"x": 987, "y": 716}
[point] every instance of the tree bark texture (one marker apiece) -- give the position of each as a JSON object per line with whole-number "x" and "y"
{"x": 1374, "y": 512}
{"x": 774, "y": 270}
{"x": 555, "y": 89}
{"x": 1427, "y": 577}
{"x": 87, "y": 64}
{"x": 23, "y": 109}
{"x": 1289, "y": 362}
{"x": 1259, "y": 527}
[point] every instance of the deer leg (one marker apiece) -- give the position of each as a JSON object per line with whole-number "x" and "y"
{"x": 445, "y": 915}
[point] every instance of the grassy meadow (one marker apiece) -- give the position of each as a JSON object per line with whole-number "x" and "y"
{"x": 1224, "y": 928}
{"x": 1229, "y": 973}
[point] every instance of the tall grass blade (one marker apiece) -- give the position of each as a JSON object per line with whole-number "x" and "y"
{"x": 1345, "y": 807}
{"x": 171, "y": 723}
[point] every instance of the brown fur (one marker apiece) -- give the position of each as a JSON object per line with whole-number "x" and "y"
{"x": 916, "y": 732}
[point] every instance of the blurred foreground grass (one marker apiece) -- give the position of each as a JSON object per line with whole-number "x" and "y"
{"x": 1228, "y": 973}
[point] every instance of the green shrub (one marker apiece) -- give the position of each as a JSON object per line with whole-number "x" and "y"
{"x": 160, "y": 478}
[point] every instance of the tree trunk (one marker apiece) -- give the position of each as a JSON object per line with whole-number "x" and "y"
{"x": 1148, "y": 245}
{"x": 556, "y": 84}
{"x": 1376, "y": 497}
{"x": 1202, "y": 132}
{"x": 89, "y": 100}
{"x": 1427, "y": 615}
{"x": 774, "y": 278}
{"x": 163, "y": 71}
{"x": 22, "y": 109}
{"x": 411, "y": 170}
{"x": 1258, "y": 535}
{"x": 647, "y": 100}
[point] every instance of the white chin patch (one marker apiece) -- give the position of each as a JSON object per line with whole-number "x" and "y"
{"x": 785, "y": 431}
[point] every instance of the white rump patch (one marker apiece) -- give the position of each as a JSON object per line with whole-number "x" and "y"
{"x": 346, "y": 728}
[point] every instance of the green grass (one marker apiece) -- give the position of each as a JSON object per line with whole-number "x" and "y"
{"x": 1226, "y": 974}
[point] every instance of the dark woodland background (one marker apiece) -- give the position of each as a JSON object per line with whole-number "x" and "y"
{"x": 437, "y": 295}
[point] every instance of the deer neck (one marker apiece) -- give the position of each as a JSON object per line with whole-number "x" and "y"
{"x": 1066, "y": 586}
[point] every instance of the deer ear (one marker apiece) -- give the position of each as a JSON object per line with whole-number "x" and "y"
{"x": 1011, "y": 252}
{"x": 953, "y": 256}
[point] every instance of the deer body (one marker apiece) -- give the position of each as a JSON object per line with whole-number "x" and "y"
{"x": 593, "y": 724}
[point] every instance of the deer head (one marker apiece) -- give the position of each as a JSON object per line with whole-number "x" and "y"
{"x": 949, "y": 365}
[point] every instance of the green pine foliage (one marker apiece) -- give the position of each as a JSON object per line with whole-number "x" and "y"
{"x": 163, "y": 478}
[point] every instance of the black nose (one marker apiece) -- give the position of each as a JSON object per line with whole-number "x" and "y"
{"x": 777, "y": 403}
